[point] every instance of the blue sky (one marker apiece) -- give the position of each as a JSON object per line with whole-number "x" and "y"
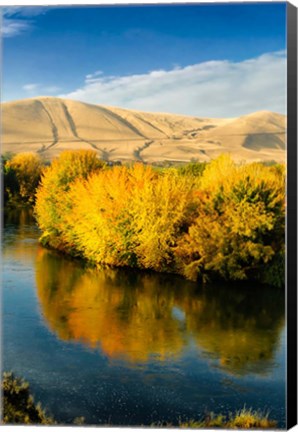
{"x": 211, "y": 59}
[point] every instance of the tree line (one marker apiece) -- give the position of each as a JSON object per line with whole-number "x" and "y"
{"x": 201, "y": 220}
{"x": 222, "y": 220}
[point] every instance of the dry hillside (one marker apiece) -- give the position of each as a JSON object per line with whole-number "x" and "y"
{"x": 50, "y": 125}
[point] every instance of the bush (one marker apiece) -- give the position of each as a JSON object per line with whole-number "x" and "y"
{"x": 193, "y": 168}
{"x": 18, "y": 403}
{"x": 240, "y": 222}
{"x": 21, "y": 176}
{"x": 133, "y": 219}
{"x": 228, "y": 222}
{"x": 51, "y": 204}
{"x": 243, "y": 419}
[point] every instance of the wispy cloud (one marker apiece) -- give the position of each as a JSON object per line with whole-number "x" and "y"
{"x": 13, "y": 27}
{"x": 91, "y": 77}
{"x": 213, "y": 88}
{"x": 23, "y": 11}
{"x": 17, "y": 20}
{"x": 34, "y": 88}
{"x": 30, "y": 87}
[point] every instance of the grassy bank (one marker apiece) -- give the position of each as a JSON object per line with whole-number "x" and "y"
{"x": 242, "y": 419}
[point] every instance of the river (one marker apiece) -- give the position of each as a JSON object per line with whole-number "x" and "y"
{"x": 136, "y": 348}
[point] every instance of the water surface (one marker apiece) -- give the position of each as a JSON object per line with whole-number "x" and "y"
{"x": 134, "y": 348}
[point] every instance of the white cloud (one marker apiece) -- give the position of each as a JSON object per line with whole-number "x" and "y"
{"x": 213, "y": 88}
{"x": 23, "y": 11}
{"x": 13, "y": 27}
{"x": 15, "y": 19}
{"x": 30, "y": 87}
{"x": 94, "y": 75}
{"x": 38, "y": 89}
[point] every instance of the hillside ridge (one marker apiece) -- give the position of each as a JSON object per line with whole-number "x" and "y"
{"x": 49, "y": 125}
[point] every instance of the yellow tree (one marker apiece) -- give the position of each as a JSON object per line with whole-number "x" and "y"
{"x": 104, "y": 233}
{"x": 27, "y": 169}
{"x": 134, "y": 217}
{"x": 160, "y": 209}
{"x": 239, "y": 229}
{"x": 51, "y": 203}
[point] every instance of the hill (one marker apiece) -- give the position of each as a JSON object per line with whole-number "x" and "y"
{"x": 48, "y": 125}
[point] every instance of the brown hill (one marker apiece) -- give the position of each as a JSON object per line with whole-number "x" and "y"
{"x": 50, "y": 125}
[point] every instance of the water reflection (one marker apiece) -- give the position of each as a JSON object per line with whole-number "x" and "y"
{"x": 21, "y": 218}
{"x": 19, "y": 242}
{"x": 137, "y": 316}
{"x": 238, "y": 325}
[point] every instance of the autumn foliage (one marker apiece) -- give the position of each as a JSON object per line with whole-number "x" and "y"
{"x": 238, "y": 231}
{"x": 21, "y": 175}
{"x": 52, "y": 203}
{"x": 227, "y": 221}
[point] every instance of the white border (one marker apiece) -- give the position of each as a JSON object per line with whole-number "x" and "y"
{"x": 52, "y": 3}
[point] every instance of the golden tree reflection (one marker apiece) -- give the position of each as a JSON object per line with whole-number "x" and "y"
{"x": 239, "y": 327}
{"x": 136, "y": 316}
{"x": 128, "y": 317}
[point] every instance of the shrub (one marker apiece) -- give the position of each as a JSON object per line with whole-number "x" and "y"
{"x": 242, "y": 419}
{"x": 134, "y": 216}
{"x": 51, "y": 205}
{"x": 228, "y": 222}
{"x": 240, "y": 222}
{"x": 21, "y": 177}
{"x": 18, "y": 404}
{"x": 195, "y": 169}
{"x": 249, "y": 419}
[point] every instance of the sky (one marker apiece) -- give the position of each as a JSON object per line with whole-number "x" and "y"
{"x": 212, "y": 60}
